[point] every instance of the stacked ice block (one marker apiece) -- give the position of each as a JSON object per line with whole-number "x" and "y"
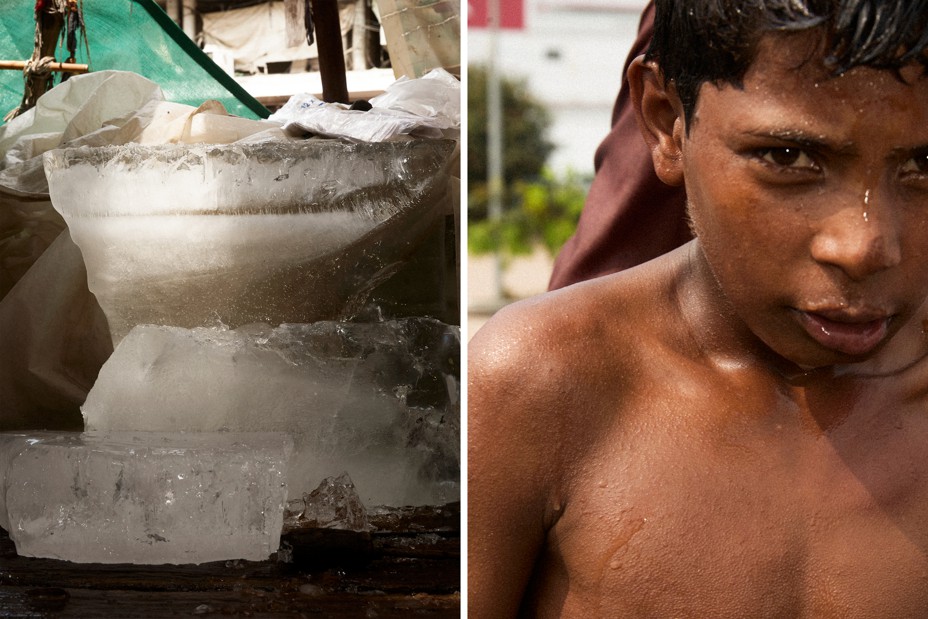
{"x": 188, "y": 453}
{"x": 275, "y": 231}
{"x": 144, "y": 498}
{"x": 376, "y": 400}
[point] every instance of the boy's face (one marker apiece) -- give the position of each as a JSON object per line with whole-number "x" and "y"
{"x": 809, "y": 195}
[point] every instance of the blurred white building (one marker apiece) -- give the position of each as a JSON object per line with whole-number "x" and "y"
{"x": 571, "y": 52}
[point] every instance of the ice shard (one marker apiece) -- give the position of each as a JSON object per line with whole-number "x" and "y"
{"x": 140, "y": 497}
{"x": 376, "y": 400}
{"x": 335, "y": 504}
{"x": 272, "y": 231}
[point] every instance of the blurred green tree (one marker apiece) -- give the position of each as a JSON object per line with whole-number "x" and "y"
{"x": 538, "y": 208}
{"x": 546, "y": 214}
{"x": 525, "y": 143}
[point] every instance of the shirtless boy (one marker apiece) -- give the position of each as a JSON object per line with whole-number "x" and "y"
{"x": 738, "y": 428}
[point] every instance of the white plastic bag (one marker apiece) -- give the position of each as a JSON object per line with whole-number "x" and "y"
{"x": 426, "y": 107}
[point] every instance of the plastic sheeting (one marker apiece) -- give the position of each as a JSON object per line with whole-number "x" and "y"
{"x": 422, "y": 35}
{"x": 254, "y": 35}
{"x": 426, "y": 107}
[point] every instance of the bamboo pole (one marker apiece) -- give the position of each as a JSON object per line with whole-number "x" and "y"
{"x": 67, "y": 67}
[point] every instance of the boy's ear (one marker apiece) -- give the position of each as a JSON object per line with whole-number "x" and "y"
{"x": 660, "y": 118}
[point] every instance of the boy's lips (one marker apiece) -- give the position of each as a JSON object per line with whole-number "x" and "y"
{"x": 851, "y": 334}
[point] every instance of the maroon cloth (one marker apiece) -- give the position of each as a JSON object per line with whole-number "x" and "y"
{"x": 630, "y": 215}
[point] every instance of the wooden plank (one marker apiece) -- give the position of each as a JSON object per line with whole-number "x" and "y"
{"x": 409, "y": 565}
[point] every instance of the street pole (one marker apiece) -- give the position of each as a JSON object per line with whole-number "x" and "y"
{"x": 495, "y": 145}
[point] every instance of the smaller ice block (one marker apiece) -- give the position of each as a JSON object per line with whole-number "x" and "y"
{"x": 138, "y": 497}
{"x": 378, "y": 400}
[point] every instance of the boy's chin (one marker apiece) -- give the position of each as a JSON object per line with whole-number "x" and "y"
{"x": 814, "y": 361}
{"x": 803, "y": 356}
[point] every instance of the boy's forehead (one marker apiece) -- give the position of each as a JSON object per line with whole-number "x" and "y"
{"x": 794, "y": 52}
{"x": 807, "y": 53}
{"x": 794, "y": 62}
{"x": 790, "y": 87}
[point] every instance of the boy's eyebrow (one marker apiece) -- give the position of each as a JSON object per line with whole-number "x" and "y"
{"x": 805, "y": 140}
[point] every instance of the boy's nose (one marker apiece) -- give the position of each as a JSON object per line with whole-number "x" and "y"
{"x": 860, "y": 239}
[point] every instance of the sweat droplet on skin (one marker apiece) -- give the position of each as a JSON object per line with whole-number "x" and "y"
{"x": 866, "y": 203}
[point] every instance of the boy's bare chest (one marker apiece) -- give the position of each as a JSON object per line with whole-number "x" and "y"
{"x": 731, "y": 520}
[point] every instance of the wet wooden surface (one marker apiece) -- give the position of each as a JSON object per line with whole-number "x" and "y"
{"x": 408, "y": 566}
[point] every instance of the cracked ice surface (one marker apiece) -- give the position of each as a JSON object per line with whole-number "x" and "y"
{"x": 139, "y": 497}
{"x": 272, "y": 231}
{"x": 376, "y": 400}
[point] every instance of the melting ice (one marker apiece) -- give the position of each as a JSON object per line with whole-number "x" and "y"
{"x": 378, "y": 400}
{"x": 268, "y": 231}
{"x": 139, "y": 497}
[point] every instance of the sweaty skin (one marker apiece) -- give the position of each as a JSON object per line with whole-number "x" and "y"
{"x": 738, "y": 428}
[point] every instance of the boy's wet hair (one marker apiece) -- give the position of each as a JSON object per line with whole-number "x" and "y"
{"x": 697, "y": 41}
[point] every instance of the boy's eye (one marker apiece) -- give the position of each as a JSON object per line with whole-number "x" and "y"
{"x": 916, "y": 165}
{"x": 788, "y": 157}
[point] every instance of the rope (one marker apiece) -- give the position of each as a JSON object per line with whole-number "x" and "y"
{"x": 40, "y": 67}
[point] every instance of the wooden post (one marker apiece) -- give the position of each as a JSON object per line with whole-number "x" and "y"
{"x": 372, "y": 32}
{"x": 49, "y": 22}
{"x": 190, "y": 19}
{"x": 331, "y": 53}
{"x": 359, "y": 36}
{"x": 173, "y": 11}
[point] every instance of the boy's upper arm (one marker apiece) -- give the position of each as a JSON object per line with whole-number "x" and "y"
{"x": 512, "y": 454}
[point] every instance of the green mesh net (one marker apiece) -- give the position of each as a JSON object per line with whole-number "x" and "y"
{"x": 127, "y": 35}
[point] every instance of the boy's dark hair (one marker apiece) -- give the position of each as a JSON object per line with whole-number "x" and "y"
{"x": 697, "y": 41}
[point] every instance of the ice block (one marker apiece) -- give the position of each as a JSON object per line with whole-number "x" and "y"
{"x": 274, "y": 231}
{"x": 138, "y": 497}
{"x": 376, "y": 400}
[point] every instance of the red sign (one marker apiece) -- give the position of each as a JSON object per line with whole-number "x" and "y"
{"x": 510, "y": 14}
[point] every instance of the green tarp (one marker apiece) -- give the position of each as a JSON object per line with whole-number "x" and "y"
{"x": 127, "y": 35}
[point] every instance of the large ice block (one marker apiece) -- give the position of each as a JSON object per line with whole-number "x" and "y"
{"x": 376, "y": 400}
{"x": 139, "y": 497}
{"x": 273, "y": 231}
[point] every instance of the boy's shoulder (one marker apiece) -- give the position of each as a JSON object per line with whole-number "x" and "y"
{"x": 574, "y": 330}
{"x": 547, "y": 335}
{"x": 572, "y": 351}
